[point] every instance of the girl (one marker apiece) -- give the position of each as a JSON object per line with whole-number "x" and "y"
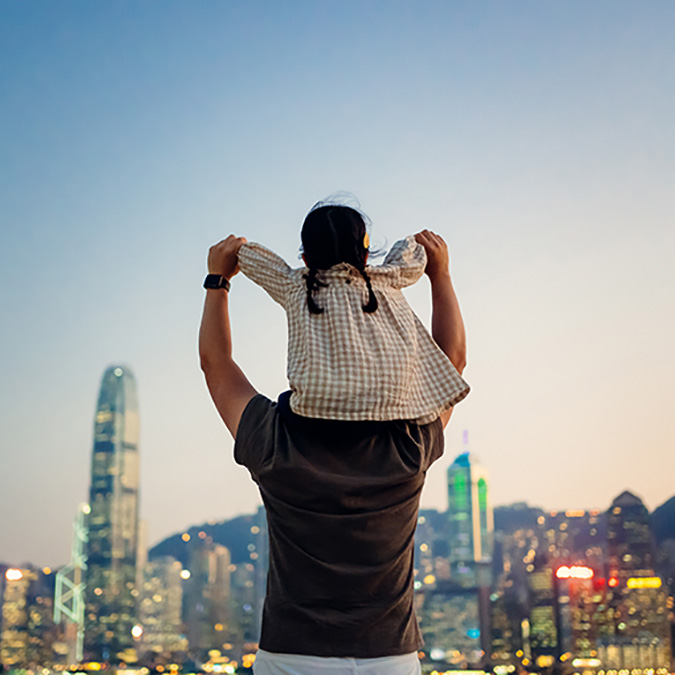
{"x": 356, "y": 349}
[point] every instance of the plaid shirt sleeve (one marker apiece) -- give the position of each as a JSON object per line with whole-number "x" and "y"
{"x": 267, "y": 269}
{"x": 405, "y": 262}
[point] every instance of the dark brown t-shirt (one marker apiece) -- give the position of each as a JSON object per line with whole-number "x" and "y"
{"x": 342, "y": 500}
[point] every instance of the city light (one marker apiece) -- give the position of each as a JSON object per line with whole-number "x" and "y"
{"x": 137, "y": 631}
{"x": 613, "y": 581}
{"x": 586, "y": 663}
{"x": 644, "y": 582}
{"x": 185, "y": 574}
{"x": 574, "y": 572}
{"x": 13, "y": 574}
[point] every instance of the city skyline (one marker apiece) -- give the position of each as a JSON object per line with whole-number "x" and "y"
{"x": 542, "y": 592}
{"x": 536, "y": 139}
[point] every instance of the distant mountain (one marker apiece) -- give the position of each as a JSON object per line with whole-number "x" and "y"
{"x": 235, "y": 534}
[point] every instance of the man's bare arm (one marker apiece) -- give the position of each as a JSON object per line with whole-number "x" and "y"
{"x": 447, "y": 325}
{"x": 230, "y": 389}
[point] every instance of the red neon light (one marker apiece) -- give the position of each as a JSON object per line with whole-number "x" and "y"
{"x": 574, "y": 572}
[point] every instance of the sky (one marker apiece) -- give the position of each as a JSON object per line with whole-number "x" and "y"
{"x": 536, "y": 138}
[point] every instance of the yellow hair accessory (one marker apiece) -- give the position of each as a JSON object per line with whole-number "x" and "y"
{"x": 366, "y": 240}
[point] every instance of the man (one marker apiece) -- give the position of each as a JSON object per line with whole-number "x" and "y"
{"x": 341, "y": 500}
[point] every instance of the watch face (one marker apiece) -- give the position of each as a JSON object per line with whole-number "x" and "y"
{"x": 216, "y": 281}
{"x": 212, "y": 281}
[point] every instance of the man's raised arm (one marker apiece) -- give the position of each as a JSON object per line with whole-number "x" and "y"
{"x": 230, "y": 389}
{"x": 447, "y": 325}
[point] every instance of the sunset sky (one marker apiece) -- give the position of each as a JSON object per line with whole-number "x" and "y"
{"x": 536, "y": 138}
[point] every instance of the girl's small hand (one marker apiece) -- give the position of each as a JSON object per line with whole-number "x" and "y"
{"x": 223, "y": 257}
{"x": 438, "y": 258}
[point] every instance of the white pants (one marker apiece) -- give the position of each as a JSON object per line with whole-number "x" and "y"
{"x": 269, "y": 663}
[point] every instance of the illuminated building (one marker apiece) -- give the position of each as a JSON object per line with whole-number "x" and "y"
{"x": 70, "y": 583}
{"x": 506, "y": 617}
{"x": 582, "y": 616}
{"x": 638, "y": 600}
{"x": 454, "y": 612}
{"x": 469, "y": 514}
{"x": 543, "y": 631}
{"x": 574, "y": 536}
{"x": 28, "y": 635}
{"x": 160, "y": 609}
{"x": 14, "y": 638}
{"x": 110, "y": 594}
{"x": 207, "y": 605}
{"x": 244, "y": 603}
{"x": 450, "y": 620}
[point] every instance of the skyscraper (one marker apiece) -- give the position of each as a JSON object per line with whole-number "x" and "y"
{"x": 469, "y": 513}
{"x": 455, "y": 614}
{"x": 638, "y": 600}
{"x": 110, "y": 595}
{"x": 207, "y": 598}
{"x": 161, "y": 595}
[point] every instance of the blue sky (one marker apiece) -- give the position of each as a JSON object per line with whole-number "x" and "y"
{"x": 537, "y": 138}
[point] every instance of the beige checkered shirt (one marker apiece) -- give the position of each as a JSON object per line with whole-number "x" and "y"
{"x": 346, "y": 364}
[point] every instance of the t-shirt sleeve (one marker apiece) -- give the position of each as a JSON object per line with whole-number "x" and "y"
{"x": 405, "y": 262}
{"x": 434, "y": 441}
{"x": 267, "y": 269}
{"x": 255, "y": 434}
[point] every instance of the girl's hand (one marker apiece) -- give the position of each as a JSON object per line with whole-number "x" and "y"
{"x": 223, "y": 257}
{"x": 438, "y": 258}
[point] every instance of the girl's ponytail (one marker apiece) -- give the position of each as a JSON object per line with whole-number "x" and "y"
{"x": 313, "y": 284}
{"x": 372, "y": 304}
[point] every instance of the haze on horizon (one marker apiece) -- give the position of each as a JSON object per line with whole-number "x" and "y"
{"x": 536, "y": 138}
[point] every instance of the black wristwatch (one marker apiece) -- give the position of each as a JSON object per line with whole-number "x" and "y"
{"x": 216, "y": 281}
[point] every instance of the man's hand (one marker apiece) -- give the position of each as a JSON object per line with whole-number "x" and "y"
{"x": 223, "y": 257}
{"x": 438, "y": 258}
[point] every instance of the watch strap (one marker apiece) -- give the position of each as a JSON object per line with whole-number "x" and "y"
{"x": 216, "y": 281}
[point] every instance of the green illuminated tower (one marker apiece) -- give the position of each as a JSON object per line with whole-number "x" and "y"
{"x": 110, "y": 594}
{"x": 469, "y": 513}
{"x": 463, "y": 601}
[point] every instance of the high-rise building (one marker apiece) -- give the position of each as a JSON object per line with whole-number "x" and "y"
{"x": 111, "y": 594}
{"x": 160, "y": 610}
{"x": 29, "y": 636}
{"x": 638, "y": 599}
{"x": 455, "y": 611}
{"x": 14, "y": 637}
{"x": 469, "y": 513}
{"x": 69, "y": 593}
{"x": 207, "y": 606}
{"x": 542, "y": 638}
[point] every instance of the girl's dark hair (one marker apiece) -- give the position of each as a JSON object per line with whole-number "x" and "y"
{"x": 330, "y": 235}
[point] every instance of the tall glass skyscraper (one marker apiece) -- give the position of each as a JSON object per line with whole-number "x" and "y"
{"x": 110, "y": 595}
{"x": 460, "y": 606}
{"x": 469, "y": 511}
